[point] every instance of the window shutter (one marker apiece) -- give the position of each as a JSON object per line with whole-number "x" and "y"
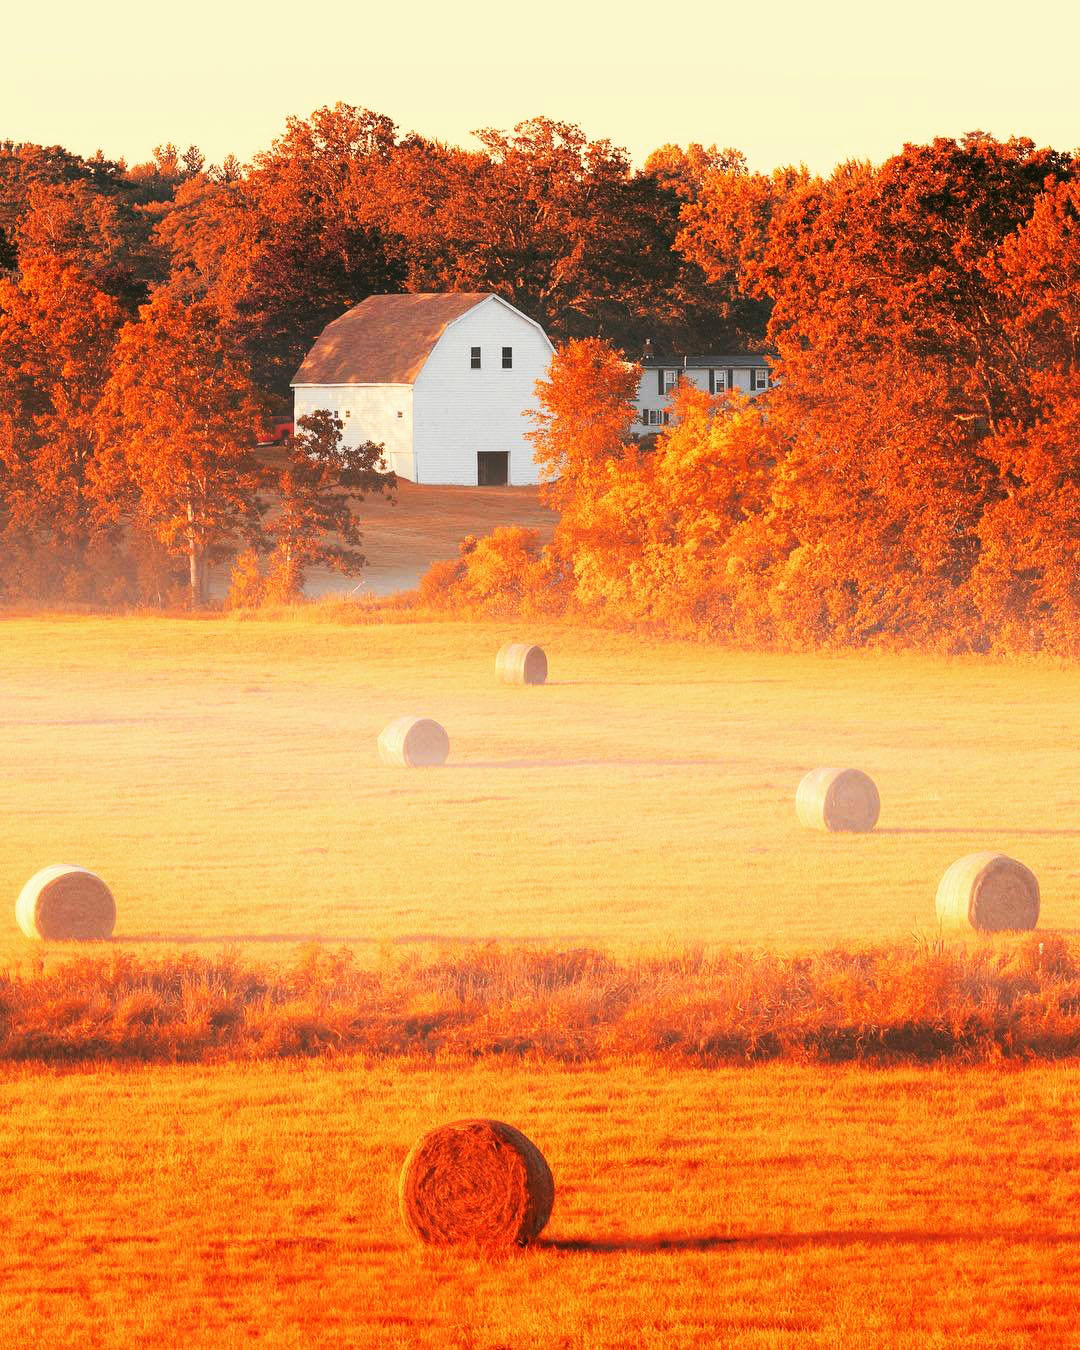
{"x": 731, "y": 379}
{"x": 712, "y": 381}
{"x": 660, "y": 382}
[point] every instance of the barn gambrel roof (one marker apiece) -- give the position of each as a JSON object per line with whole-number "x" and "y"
{"x": 386, "y": 339}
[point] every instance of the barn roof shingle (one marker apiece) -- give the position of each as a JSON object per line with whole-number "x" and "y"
{"x": 384, "y": 340}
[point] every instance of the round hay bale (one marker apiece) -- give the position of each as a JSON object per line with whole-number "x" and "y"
{"x": 65, "y": 903}
{"x": 416, "y": 742}
{"x": 477, "y": 1182}
{"x": 989, "y": 892}
{"x": 521, "y": 663}
{"x": 837, "y": 799}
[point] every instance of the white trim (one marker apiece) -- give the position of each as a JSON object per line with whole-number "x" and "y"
{"x": 357, "y": 384}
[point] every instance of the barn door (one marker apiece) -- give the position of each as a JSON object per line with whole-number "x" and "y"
{"x": 492, "y": 468}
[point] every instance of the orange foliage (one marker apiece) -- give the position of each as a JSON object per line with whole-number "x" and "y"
{"x": 911, "y": 478}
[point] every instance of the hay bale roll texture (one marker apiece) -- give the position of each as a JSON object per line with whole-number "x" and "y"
{"x": 65, "y": 903}
{"x": 837, "y": 799}
{"x": 416, "y": 742}
{"x": 476, "y": 1182}
{"x": 521, "y": 663}
{"x": 990, "y": 892}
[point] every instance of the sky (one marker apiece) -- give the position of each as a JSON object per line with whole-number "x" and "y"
{"x": 783, "y": 82}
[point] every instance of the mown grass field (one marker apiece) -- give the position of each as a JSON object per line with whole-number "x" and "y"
{"x": 763, "y": 1207}
{"x": 222, "y": 776}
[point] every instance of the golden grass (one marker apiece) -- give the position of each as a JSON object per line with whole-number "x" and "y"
{"x": 770, "y": 1207}
{"x": 894, "y": 1003}
{"x": 222, "y": 778}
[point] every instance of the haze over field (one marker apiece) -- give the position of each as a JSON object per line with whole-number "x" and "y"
{"x": 223, "y": 776}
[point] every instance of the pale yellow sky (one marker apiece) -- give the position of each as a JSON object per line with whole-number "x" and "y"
{"x": 782, "y": 81}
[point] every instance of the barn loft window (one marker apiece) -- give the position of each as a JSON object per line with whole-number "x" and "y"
{"x": 508, "y": 358}
{"x": 474, "y": 358}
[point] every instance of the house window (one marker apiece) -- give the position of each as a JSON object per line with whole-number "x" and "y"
{"x": 348, "y": 412}
{"x": 759, "y": 379}
{"x": 719, "y": 381}
{"x": 474, "y": 358}
{"x": 644, "y": 417}
{"x": 671, "y": 379}
{"x": 400, "y": 414}
{"x": 508, "y": 358}
{"x": 655, "y": 417}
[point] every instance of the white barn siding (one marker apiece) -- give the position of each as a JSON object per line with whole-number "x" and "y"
{"x": 459, "y": 411}
{"x": 370, "y": 412}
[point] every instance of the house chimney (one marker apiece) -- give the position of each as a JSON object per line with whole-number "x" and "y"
{"x": 647, "y": 351}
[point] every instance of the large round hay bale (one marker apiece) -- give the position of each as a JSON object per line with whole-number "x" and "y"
{"x": 521, "y": 663}
{"x": 837, "y": 799}
{"x": 65, "y": 903}
{"x": 990, "y": 892}
{"x": 477, "y": 1182}
{"x": 416, "y": 742}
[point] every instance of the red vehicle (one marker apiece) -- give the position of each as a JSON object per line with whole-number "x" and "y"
{"x": 274, "y": 433}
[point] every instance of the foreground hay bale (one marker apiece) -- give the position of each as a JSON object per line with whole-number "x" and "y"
{"x": 65, "y": 903}
{"x": 989, "y": 892}
{"x": 416, "y": 742}
{"x": 521, "y": 663}
{"x": 477, "y": 1182}
{"x": 837, "y": 799}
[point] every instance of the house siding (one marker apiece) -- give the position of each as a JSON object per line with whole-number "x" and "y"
{"x": 649, "y": 396}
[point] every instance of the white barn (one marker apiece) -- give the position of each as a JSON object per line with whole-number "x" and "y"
{"x": 443, "y": 382}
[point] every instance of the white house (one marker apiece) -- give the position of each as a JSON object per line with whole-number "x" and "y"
{"x": 716, "y": 374}
{"x": 444, "y": 382}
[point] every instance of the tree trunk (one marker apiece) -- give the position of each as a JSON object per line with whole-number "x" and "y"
{"x": 196, "y": 570}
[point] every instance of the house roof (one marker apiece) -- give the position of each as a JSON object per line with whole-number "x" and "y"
{"x": 739, "y": 360}
{"x": 385, "y": 339}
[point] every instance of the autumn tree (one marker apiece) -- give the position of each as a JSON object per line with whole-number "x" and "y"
{"x": 176, "y": 420}
{"x": 285, "y": 247}
{"x": 315, "y": 490}
{"x": 557, "y": 223}
{"x": 583, "y": 419}
{"x": 57, "y": 334}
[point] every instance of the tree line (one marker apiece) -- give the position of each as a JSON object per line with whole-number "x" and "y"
{"x": 914, "y": 475}
{"x": 913, "y": 478}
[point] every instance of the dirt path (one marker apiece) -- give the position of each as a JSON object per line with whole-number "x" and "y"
{"x": 426, "y": 525}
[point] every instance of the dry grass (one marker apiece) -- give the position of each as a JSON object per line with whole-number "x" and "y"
{"x": 770, "y": 1207}
{"x": 222, "y": 778}
{"x": 911, "y": 1002}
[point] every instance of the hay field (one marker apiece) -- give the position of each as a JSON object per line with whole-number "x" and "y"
{"x": 770, "y": 1207}
{"x": 222, "y": 777}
